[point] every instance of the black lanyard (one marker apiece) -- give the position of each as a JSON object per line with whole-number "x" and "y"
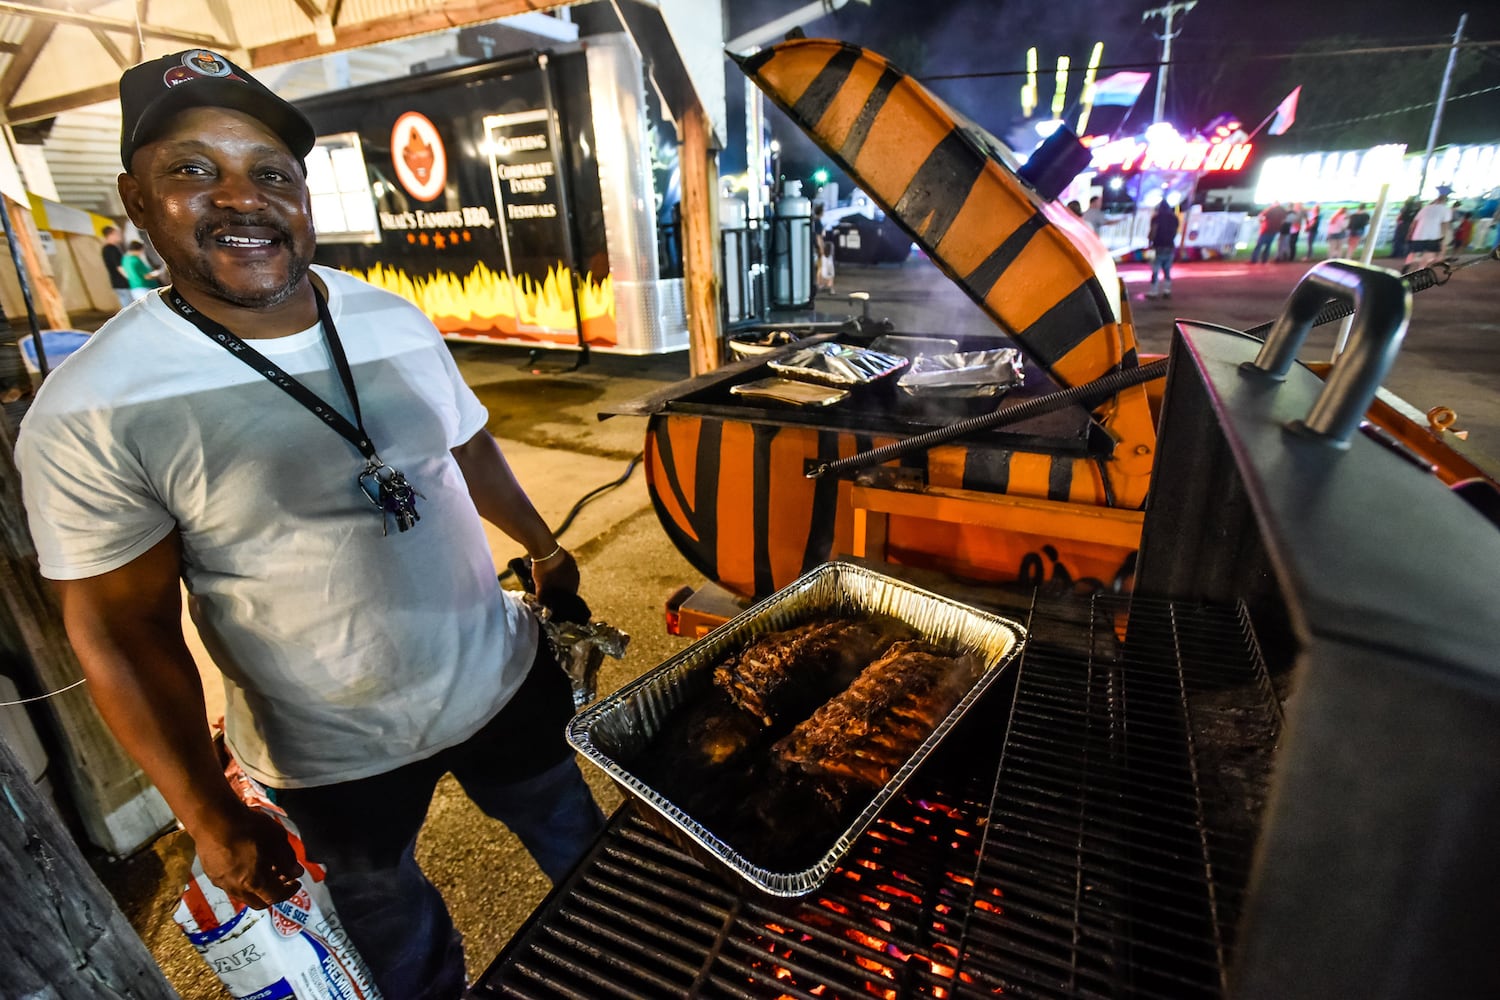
{"x": 384, "y": 486}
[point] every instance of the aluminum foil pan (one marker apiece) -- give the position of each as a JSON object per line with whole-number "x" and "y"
{"x": 621, "y": 726}
{"x": 907, "y": 346}
{"x": 838, "y": 365}
{"x": 790, "y": 390}
{"x": 750, "y": 345}
{"x": 971, "y": 374}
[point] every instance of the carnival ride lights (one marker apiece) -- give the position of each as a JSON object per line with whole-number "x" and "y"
{"x": 1164, "y": 148}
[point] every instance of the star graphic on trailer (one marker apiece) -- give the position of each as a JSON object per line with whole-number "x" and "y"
{"x": 422, "y": 239}
{"x": 439, "y": 241}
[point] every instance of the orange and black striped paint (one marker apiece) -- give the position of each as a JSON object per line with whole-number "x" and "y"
{"x": 733, "y": 498}
{"x": 1029, "y": 265}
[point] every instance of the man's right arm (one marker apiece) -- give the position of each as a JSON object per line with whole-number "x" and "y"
{"x": 126, "y": 628}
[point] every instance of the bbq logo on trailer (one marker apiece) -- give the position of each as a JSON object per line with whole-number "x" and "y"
{"x": 198, "y": 64}
{"x": 419, "y": 158}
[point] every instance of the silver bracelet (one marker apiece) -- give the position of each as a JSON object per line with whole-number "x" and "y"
{"x": 550, "y": 555}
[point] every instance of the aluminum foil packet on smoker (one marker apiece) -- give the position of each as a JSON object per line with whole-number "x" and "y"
{"x": 579, "y": 649}
{"x": 837, "y": 364}
{"x": 969, "y": 373}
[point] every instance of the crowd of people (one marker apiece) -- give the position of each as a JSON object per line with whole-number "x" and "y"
{"x": 1423, "y": 232}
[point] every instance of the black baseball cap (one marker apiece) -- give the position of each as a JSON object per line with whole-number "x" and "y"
{"x": 151, "y": 93}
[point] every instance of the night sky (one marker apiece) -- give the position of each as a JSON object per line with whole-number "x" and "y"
{"x": 1228, "y": 58}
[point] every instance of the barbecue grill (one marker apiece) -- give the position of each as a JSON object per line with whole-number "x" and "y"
{"x": 1269, "y": 772}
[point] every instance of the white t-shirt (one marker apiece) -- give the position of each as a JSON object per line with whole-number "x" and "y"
{"x": 345, "y": 652}
{"x": 1429, "y": 223}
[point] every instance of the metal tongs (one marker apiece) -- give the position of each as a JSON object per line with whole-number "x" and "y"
{"x": 579, "y": 648}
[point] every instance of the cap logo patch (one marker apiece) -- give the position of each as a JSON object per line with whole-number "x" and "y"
{"x": 200, "y": 63}
{"x": 206, "y": 63}
{"x": 418, "y": 155}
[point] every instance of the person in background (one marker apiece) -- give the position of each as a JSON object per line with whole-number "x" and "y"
{"x": 1095, "y": 217}
{"x": 1163, "y": 237}
{"x": 1430, "y": 232}
{"x": 1409, "y": 210}
{"x": 138, "y": 271}
{"x": 1359, "y": 221}
{"x": 1291, "y": 226}
{"x": 114, "y": 257}
{"x": 1463, "y": 230}
{"x": 365, "y": 645}
{"x": 822, "y": 252}
{"x": 1310, "y": 227}
{"x": 1338, "y": 233}
{"x": 1270, "y": 230}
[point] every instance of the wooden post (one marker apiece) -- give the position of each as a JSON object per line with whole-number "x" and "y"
{"x": 61, "y": 934}
{"x": 49, "y": 300}
{"x": 119, "y": 807}
{"x": 700, "y": 241}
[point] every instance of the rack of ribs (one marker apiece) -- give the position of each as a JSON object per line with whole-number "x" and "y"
{"x": 863, "y": 735}
{"x": 785, "y": 675}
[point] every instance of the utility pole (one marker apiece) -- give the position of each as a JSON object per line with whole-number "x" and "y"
{"x": 1437, "y": 113}
{"x": 1166, "y": 13}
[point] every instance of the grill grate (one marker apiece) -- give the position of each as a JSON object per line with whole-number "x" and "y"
{"x": 1099, "y": 850}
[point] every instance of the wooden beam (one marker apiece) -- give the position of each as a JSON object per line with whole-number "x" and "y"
{"x": 699, "y": 164}
{"x": 21, "y": 63}
{"x": 225, "y": 20}
{"x": 385, "y": 29}
{"x": 312, "y": 10}
{"x": 64, "y": 102}
{"x": 85, "y": 20}
{"x": 121, "y": 59}
{"x": 49, "y": 301}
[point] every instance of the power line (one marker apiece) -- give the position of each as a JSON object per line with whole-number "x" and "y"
{"x": 1155, "y": 64}
{"x": 1398, "y": 111}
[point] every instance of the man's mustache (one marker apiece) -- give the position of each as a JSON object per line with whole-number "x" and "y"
{"x": 206, "y": 229}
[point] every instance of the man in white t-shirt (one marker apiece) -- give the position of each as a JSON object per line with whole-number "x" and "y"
{"x": 319, "y": 486}
{"x": 1429, "y": 232}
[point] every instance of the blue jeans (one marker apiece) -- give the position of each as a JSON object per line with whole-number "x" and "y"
{"x": 1161, "y": 264}
{"x": 1262, "y": 251}
{"x": 517, "y": 769}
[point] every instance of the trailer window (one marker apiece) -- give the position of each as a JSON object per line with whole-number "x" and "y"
{"x": 338, "y": 184}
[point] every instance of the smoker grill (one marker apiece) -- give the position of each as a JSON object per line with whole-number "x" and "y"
{"x": 1130, "y": 816}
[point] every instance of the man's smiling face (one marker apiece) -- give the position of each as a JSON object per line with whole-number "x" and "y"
{"x": 226, "y": 205}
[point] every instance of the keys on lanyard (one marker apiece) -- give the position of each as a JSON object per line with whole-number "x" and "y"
{"x": 388, "y": 490}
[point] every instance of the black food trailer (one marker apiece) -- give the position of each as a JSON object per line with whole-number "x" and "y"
{"x": 512, "y": 200}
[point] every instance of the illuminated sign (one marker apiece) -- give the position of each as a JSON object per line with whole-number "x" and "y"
{"x": 1171, "y": 154}
{"x": 1359, "y": 175}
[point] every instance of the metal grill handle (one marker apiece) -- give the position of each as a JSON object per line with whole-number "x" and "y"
{"x": 1382, "y": 307}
